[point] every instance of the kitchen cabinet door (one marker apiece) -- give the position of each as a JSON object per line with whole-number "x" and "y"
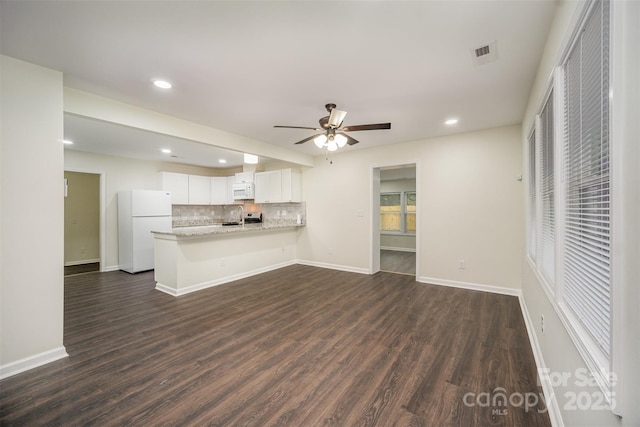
{"x": 291, "y": 186}
{"x": 219, "y": 190}
{"x": 230, "y": 181}
{"x": 199, "y": 190}
{"x": 242, "y": 177}
{"x": 268, "y": 187}
{"x": 177, "y": 184}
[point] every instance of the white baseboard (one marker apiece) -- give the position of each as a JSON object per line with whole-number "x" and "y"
{"x": 111, "y": 268}
{"x": 208, "y": 284}
{"x": 394, "y": 248}
{"x": 333, "y": 266}
{"x": 84, "y": 261}
{"x": 31, "y": 362}
{"x": 470, "y": 286}
{"x": 553, "y": 409}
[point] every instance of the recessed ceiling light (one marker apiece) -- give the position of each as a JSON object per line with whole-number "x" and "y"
{"x": 66, "y": 141}
{"x": 222, "y": 161}
{"x": 166, "y": 151}
{"x": 451, "y": 122}
{"x": 163, "y": 84}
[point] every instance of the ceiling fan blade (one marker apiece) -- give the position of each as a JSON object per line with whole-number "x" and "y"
{"x": 296, "y": 127}
{"x": 308, "y": 139}
{"x": 350, "y": 140}
{"x": 367, "y": 127}
{"x": 336, "y": 117}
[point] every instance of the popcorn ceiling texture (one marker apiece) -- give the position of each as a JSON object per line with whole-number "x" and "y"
{"x": 272, "y": 213}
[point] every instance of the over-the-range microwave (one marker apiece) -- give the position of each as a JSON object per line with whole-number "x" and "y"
{"x": 243, "y": 191}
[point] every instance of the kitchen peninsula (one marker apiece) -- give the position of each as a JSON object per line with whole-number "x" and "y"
{"x": 189, "y": 259}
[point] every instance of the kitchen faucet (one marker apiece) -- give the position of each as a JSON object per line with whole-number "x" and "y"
{"x": 241, "y": 212}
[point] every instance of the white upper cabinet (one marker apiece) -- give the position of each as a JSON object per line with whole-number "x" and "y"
{"x": 291, "y": 186}
{"x": 221, "y": 190}
{"x": 242, "y": 177}
{"x": 177, "y": 184}
{"x": 268, "y": 187}
{"x": 199, "y": 190}
{"x": 278, "y": 186}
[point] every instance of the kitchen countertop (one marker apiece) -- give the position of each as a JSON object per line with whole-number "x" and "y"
{"x": 217, "y": 229}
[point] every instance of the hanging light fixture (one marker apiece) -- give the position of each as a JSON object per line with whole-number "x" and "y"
{"x": 320, "y": 140}
{"x": 340, "y": 140}
{"x": 330, "y": 140}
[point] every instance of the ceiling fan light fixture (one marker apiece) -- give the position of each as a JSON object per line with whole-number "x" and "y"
{"x": 341, "y": 140}
{"x": 333, "y": 134}
{"x": 320, "y": 140}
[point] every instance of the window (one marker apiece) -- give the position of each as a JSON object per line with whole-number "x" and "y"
{"x": 398, "y": 212}
{"x": 571, "y": 216}
{"x": 547, "y": 253}
{"x": 587, "y": 287}
{"x": 410, "y": 212}
{"x": 391, "y": 212}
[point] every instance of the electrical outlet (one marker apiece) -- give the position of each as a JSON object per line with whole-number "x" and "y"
{"x": 82, "y": 250}
{"x": 283, "y": 249}
{"x": 461, "y": 265}
{"x": 223, "y": 262}
{"x": 542, "y": 323}
{"x": 330, "y": 251}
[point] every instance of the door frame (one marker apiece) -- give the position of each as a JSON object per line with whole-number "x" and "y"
{"x": 101, "y": 210}
{"x": 374, "y": 220}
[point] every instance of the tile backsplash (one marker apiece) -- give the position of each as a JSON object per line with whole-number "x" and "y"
{"x": 199, "y": 215}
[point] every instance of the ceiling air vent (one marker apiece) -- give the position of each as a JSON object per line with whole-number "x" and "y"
{"x": 485, "y": 53}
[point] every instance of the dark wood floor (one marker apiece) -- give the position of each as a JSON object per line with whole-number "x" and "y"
{"x": 398, "y": 262}
{"x": 91, "y": 267}
{"x": 299, "y": 346}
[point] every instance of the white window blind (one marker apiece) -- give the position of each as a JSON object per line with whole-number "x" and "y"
{"x": 531, "y": 226}
{"x": 587, "y": 248}
{"x": 547, "y": 193}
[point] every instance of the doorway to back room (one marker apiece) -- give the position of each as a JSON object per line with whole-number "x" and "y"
{"x": 396, "y": 211}
{"x": 81, "y": 223}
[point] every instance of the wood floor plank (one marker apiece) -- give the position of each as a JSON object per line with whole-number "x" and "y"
{"x": 297, "y": 346}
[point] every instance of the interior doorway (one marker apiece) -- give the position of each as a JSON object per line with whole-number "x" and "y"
{"x": 82, "y": 223}
{"x": 395, "y": 225}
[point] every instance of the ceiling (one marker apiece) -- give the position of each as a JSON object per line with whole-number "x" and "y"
{"x": 244, "y": 66}
{"x": 108, "y": 138}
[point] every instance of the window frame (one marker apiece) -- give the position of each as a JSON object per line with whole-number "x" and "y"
{"x": 532, "y": 193}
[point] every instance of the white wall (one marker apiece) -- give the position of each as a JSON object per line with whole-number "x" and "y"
{"x": 122, "y": 174}
{"x": 559, "y": 353}
{"x": 469, "y": 204}
{"x": 81, "y": 218}
{"x": 31, "y": 284}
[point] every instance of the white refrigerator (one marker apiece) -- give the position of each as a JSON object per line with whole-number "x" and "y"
{"x": 139, "y": 213}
